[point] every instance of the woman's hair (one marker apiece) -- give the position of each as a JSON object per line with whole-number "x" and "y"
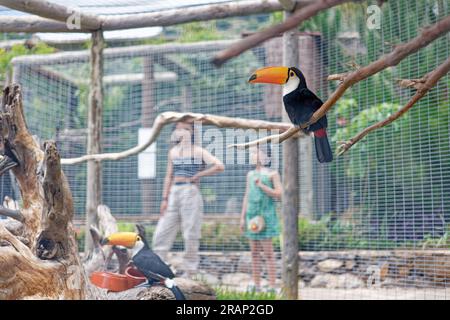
{"x": 191, "y": 127}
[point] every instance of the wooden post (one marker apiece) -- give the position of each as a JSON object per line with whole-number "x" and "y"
{"x": 290, "y": 199}
{"x": 94, "y": 137}
{"x": 148, "y": 186}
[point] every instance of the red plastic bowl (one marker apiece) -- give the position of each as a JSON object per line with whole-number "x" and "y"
{"x": 135, "y": 277}
{"x": 117, "y": 282}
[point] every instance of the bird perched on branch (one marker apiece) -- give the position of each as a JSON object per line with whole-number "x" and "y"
{"x": 300, "y": 104}
{"x": 145, "y": 260}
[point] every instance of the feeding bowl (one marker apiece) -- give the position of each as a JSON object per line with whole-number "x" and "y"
{"x": 116, "y": 282}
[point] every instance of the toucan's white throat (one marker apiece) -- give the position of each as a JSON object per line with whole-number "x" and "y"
{"x": 137, "y": 247}
{"x": 291, "y": 85}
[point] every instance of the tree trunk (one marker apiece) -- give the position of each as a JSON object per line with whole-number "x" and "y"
{"x": 43, "y": 242}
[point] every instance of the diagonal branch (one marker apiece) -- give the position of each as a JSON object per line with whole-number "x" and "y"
{"x": 300, "y": 15}
{"x": 15, "y": 214}
{"x": 171, "y": 117}
{"x": 391, "y": 59}
{"x": 422, "y": 85}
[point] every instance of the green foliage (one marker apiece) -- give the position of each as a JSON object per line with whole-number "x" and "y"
{"x": 226, "y": 294}
{"x": 19, "y": 50}
{"x": 442, "y": 242}
{"x": 198, "y": 31}
{"x": 346, "y": 110}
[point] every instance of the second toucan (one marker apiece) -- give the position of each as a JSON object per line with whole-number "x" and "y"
{"x": 300, "y": 104}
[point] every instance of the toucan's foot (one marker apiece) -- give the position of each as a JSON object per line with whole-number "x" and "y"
{"x": 6, "y": 163}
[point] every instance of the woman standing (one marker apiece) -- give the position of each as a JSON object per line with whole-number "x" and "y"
{"x": 182, "y": 204}
{"x": 258, "y": 216}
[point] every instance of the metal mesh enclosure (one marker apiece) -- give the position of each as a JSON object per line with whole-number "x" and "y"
{"x": 374, "y": 223}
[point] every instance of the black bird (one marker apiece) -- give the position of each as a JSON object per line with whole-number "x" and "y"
{"x": 300, "y": 104}
{"x": 145, "y": 260}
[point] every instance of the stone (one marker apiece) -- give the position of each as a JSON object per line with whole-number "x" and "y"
{"x": 350, "y": 264}
{"x": 208, "y": 278}
{"x": 349, "y": 281}
{"x": 331, "y": 281}
{"x": 329, "y": 265}
{"x": 323, "y": 281}
{"x": 237, "y": 279}
{"x": 301, "y": 284}
{"x": 244, "y": 264}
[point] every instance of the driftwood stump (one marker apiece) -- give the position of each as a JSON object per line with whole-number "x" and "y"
{"x": 38, "y": 252}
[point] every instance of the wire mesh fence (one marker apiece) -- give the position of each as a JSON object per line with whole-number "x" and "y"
{"x": 373, "y": 223}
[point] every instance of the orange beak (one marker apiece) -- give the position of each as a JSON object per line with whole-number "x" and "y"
{"x": 274, "y": 75}
{"x": 125, "y": 239}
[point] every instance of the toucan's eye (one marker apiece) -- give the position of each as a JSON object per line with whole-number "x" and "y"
{"x": 138, "y": 239}
{"x": 292, "y": 74}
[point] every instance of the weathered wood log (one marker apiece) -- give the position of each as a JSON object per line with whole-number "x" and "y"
{"x": 55, "y": 11}
{"x": 192, "y": 290}
{"x": 98, "y": 258}
{"x": 126, "y": 21}
{"x": 45, "y": 248}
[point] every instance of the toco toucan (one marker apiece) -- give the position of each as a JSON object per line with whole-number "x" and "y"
{"x": 300, "y": 104}
{"x": 145, "y": 260}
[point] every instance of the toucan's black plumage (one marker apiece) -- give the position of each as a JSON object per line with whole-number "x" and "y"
{"x": 155, "y": 269}
{"x": 145, "y": 260}
{"x": 300, "y": 105}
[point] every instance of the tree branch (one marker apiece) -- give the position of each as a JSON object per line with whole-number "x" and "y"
{"x": 15, "y": 214}
{"x": 171, "y": 117}
{"x": 428, "y": 35}
{"x": 422, "y": 85}
{"x": 54, "y": 11}
{"x": 300, "y": 15}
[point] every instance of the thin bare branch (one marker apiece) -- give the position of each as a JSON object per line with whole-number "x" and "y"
{"x": 422, "y": 85}
{"x": 301, "y": 14}
{"x": 389, "y": 60}
{"x": 15, "y": 214}
{"x": 172, "y": 117}
{"x": 276, "y": 138}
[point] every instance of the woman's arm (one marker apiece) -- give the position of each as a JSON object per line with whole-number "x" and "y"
{"x": 274, "y": 192}
{"x": 216, "y": 165}
{"x": 167, "y": 184}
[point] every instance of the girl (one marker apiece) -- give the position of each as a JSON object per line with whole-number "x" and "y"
{"x": 263, "y": 188}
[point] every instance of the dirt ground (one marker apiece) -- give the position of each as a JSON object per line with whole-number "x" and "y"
{"x": 375, "y": 294}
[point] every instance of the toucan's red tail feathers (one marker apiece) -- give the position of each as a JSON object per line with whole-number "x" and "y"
{"x": 323, "y": 149}
{"x": 320, "y": 133}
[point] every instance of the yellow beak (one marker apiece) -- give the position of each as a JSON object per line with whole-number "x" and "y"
{"x": 274, "y": 75}
{"x": 125, "y": 239}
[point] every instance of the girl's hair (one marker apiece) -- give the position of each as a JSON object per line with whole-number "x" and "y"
{"x": 267, "y": 150}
